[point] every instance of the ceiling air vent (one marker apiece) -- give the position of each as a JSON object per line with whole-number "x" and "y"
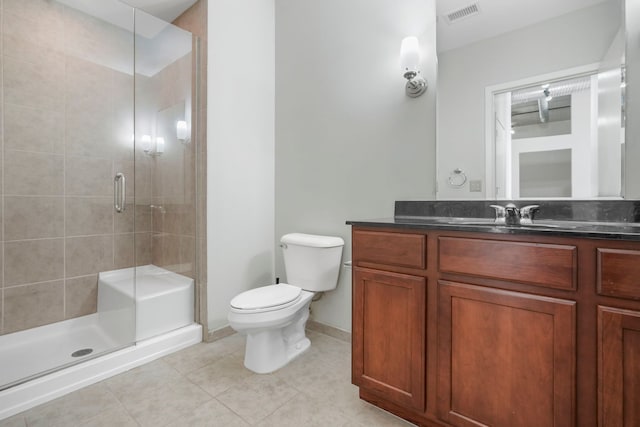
{"x": 462, "y": 13}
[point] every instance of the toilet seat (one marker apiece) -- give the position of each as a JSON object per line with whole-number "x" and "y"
{"x": 266, "y": 298}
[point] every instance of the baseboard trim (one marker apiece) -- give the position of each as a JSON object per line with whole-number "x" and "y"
{"x": 218, "y": 334}
{"x": 312, "y": 325}
{"x": 331, "y": 331}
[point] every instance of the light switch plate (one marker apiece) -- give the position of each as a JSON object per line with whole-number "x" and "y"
{"x": 475, "y": 185}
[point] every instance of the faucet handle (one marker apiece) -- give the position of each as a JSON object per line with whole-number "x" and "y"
{"x": 500, "y": 213}
{"x": 512, "y": 209}
{"x": 528, "y": 212}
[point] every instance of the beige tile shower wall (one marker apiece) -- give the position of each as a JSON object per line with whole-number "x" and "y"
{"x": 174, "y": 188}
{"x": 67, "y": 109}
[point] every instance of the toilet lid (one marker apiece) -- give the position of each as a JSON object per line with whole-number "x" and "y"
{"x": 266, "y": 297}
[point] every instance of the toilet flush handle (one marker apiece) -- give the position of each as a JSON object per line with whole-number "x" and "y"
{"x": 283, "y": 245}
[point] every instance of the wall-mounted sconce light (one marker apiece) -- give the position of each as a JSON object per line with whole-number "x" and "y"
{"x": 182, "y": 132}
{"x": 410, "y": 63}
{"x": 159, "y": 145}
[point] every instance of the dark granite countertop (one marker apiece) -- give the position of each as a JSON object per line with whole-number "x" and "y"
{"x": 612, "y": 220}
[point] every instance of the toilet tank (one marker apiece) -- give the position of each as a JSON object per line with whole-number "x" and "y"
{"x": 312, "y": 262}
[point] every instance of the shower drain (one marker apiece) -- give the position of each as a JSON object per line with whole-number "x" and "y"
{"x": 82, "y": 352}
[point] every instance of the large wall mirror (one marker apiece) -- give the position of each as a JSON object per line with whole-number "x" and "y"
{"x": 534, "y": 99}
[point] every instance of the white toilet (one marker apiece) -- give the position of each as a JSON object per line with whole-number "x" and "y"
{"x": 273, "y": 317}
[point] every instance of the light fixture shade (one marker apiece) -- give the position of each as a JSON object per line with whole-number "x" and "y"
{"x": 159, "y": 144}
{"x": 410, "y": 54}
{"x": 181, "y": 129}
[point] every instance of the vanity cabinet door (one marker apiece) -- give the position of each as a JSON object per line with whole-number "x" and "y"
{"x": 504, "y": 358}
{"x": 618, "y": 367}
{"x": 389, "y": 313}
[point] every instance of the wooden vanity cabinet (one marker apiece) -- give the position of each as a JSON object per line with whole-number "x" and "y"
{"x": 504, "y": 358}
{"x": 389, "y": 348}
{"x": 619, "y": 367}
{"x": 618, "y": 336}
{"x": 389, "y": 316}
{"x": 478, "y": 329}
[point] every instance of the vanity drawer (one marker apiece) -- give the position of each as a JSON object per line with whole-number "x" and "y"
{"x": 548, "y": 265}
{"x": 395, "y": 249}
{"x": 619, "y": 273}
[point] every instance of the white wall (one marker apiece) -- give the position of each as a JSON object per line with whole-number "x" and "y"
{"x": 348, "y": 141}
{"x": 567, "y": 41}
{"x": 240, "y": 156}
{"x": 632, "y": 145}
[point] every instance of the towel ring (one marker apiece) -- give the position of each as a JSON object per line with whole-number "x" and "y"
{"x": 457, "y": 178}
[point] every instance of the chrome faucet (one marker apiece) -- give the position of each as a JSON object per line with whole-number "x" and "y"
{"x": 500, "y": 214}
{"x": 527, "y": 213}
{"x": 509, "y": 214}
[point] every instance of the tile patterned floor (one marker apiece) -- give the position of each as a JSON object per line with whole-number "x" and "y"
{"x": 207, "y": 385}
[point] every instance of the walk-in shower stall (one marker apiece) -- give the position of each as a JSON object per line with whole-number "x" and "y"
{"x": 97, "y": 202}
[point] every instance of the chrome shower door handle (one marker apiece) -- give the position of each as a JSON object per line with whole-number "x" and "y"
{"x": 119, "y": 192}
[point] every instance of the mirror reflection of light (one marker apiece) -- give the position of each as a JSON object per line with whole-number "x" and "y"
{"x": 181, "y": 130}
{"x": 609, "y": 73}
{"x": 145, "y": 143}
{"x": 608, "y": 121}
{"x": 159, "y": 145}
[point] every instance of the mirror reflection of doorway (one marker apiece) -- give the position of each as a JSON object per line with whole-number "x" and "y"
{"x": 545, "y": 174}
{"x": 550, "y": 138}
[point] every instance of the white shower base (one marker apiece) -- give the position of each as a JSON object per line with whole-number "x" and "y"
{"x": 163, "y": 315}
{"x": 42, "y": 349}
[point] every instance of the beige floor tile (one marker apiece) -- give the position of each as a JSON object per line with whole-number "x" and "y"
{"x": 345, "y": 399}
{"x": 110, "y": 418}
{"x": 198, "y": 356}
{"x": 179, "y": 390}
{"x": 317, "y": 379}
{"x": 331, "y": 387}
{"x": 74, "y": 408}
{"x": 333, "y": 351}
{"x": 133, "y": 383}
{"x": 371, "y": 416}
{"x": 156, "y": 406}
{"x": 220, "y": 376}
{"x": 304, "y": 411}
{"x": 212, "y": 413}
{"x": 15, "y": 421}
{"x": 257, "y": 397}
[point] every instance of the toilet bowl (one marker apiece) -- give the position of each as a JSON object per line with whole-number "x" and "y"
{"x": 273, "y": 317}
{"x": 275, "y": 335}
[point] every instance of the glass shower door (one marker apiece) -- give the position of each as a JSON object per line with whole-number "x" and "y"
{"x": 165, "y": 176}
{"x": 68, "y": 184}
